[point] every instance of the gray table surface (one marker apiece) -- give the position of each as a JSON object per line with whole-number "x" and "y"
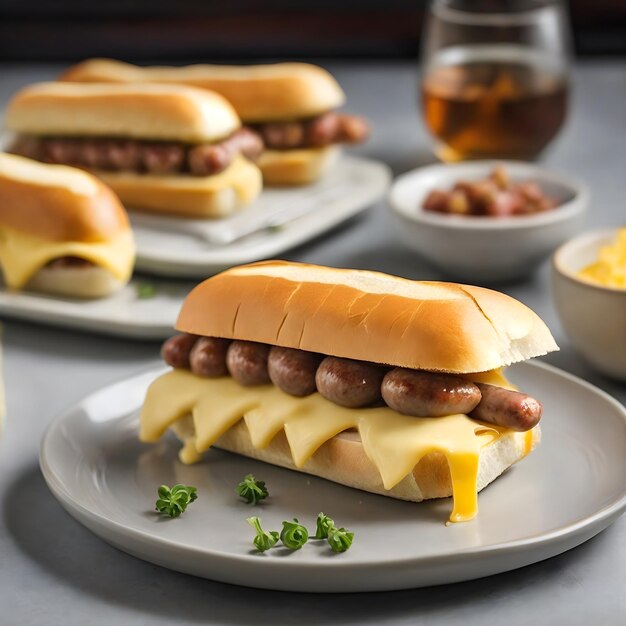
{"x": 53, "y": 571}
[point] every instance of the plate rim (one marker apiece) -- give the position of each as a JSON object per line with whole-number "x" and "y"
{"x": 36, "y": 311}
{"x": 605, "y": 514}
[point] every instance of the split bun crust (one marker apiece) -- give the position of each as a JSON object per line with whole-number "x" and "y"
{"x": 57, "y": 202}
{"x": 139, "y": 111}
{"x": 367, "y": 316}
{"x": 259, "y": 93}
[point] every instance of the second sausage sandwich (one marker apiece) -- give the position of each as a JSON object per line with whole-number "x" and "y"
{"x": 162, "y": 148}
{"x": 290, "y": 105}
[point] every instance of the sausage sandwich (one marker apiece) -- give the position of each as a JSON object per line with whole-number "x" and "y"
{"x": 290, "y": 105}
{"x": 162, "y": 148}
{"x": 376, "y": 382}
{"x": 62, "y": 231}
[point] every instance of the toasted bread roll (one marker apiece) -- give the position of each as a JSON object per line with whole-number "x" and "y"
{"x": 296, "y": 167}
{"x": 155, "y": 112}
{"x": 259, "y": 93}
{"x": 342, "y": 459}
{"x": 367, "y": 316}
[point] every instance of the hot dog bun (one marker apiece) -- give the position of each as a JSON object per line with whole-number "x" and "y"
{"x": 54, "y": 211}
{"x": 296, "y": 167}
{"x": 259, "y": 93}
{"x": 193, "y": 196}
{"x": 342, "y": 459}
{"x": 144, "y": 111}
{"x": 419, "y": 325}
{"x": 57, "y": 202}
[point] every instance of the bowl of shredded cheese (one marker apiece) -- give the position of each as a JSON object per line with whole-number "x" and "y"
{"x": 589, "y": 289}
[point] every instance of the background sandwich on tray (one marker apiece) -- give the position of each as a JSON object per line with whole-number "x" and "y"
{"x": 290, "y": 105}
{"x": 376, "y": 382}
{"x": 164, "y": 148}
{"x": 62, "y": 231}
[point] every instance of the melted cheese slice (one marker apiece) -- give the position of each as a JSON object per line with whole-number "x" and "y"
{"x": 394, "y": 443}
{"x": 22, "y": 255}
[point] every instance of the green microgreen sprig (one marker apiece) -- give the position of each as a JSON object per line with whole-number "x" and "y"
{"x": 339, "y": 539}
{"x": 324, "y": 524}
{"x": 252, "y": 490}
{"x": 174, "y": 501}
{"x": 294, "y": 535}
{"x": 263, "y": 540}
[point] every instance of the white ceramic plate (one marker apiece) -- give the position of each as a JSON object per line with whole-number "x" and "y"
{"x": 183, "y": 247}
{"x": 123, "y": 314}
{"x": 570, "y": 489}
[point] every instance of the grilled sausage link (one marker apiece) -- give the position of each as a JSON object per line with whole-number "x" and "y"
{"x": 426, "y": 394}
{"x": 163, "y": 158}
{"x": 511, "y": 409}
{"x": 293, "y": 371}
{"x": 322, "y": 130}
{"x": 208, "y": 357}
{"x": 124, "y": 155}
{"x": 247, "y": 362}
{"x": 208, "y": 159}
{"x": 141, "y": 156}
{"x": 69, "y": 262}
{"x": 316, "y": 132}
{"x": 349, "y": 383}
{"x": 353, "y": 129}
{"x": 282, "y": 135}
{"x": 247, "y": 142}
{"x": 175, "y": 351}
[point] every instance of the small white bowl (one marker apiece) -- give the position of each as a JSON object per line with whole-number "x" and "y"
{"x": 593, "y": 316}
{"x": 485, "y": 249}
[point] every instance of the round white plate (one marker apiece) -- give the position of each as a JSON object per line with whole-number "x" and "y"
{"x": 567, "y": 491}
{"x": 171, "y": 246}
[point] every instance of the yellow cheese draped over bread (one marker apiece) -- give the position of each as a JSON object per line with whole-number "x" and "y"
{"x": 394, "y": 443}
{"x": 23, "y": 255}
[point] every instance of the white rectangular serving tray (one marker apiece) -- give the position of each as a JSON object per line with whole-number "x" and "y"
{"x": 283, "y": 218}
{"x": 280, "y": 219}
{"x": 123, "y": 314}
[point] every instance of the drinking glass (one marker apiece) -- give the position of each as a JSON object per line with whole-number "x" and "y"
{"x": 495, "y": 77}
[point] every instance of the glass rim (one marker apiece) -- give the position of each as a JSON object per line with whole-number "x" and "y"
{"x": 443, "y": 10}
